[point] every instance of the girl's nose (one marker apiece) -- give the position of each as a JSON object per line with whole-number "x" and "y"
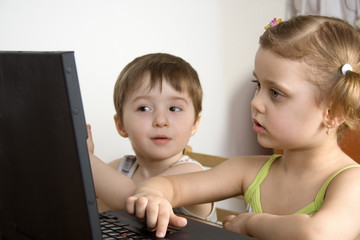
{"x": 257, "y": 103}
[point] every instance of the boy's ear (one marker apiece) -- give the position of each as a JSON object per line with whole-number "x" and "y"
{"x": 196, "y": 125}
{"x": 119, "y": 127}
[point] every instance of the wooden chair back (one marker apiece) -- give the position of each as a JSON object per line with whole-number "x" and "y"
{"x": 350, "y": 144}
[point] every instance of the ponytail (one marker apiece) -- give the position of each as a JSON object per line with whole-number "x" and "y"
{"x": 346, "y": 99}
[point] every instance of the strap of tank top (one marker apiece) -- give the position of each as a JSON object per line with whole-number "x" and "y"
{"x": 252, "y": 193}
{"x": 319, "y": 199}
{"x": 185, "y": 159}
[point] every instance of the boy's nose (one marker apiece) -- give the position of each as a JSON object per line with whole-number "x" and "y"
{"x": 160, "y": 120}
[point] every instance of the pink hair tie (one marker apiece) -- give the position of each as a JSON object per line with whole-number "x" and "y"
{"x": 345, "y": 68}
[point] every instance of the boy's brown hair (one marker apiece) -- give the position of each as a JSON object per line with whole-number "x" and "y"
{"x": 174, "y": 70}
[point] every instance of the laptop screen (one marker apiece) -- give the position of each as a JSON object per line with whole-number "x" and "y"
{"x": 46, "y": 187}
{"x": 42, "y": 145}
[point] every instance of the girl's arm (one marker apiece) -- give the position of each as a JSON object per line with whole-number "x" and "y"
{"x": 155, "y": 197}
{"x": 112, "y": 187}
{"x": 338, "y": 218}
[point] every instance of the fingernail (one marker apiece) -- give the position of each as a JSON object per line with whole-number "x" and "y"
{"x": 160, "y": 234}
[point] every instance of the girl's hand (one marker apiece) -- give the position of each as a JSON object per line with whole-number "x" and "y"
{"x": 156, "y": 211}
{"x": 237, "y": 223}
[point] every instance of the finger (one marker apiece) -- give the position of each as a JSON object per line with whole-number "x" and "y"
{"x": 228, "y": 219}
{"x": 141, "y": 206}
{"x": 152, "y": 214}
{"x": 130, "y": 205}
{"x": 162, "y": 221}
{"x": 88, "y": 127}
{"x": 226, "y": 225}
{"x": 177, "y": 221}
{"x": 89, "y": 140}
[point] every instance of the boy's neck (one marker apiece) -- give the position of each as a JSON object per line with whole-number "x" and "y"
{"x": 152, "y": 167}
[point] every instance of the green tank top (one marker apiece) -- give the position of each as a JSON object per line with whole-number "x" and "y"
{"x": 252, "y": 194}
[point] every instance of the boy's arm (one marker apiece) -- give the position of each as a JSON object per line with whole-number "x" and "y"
{"x": 338, "y": 218}
{"x": 112, "y": 187}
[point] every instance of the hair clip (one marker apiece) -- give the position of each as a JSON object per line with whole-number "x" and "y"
{"x": 345, "y": 68}
{"x": 273, "y": 23}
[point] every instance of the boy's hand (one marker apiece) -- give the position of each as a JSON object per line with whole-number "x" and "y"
{"x": 156, "y": 211}
{"x": 89, "y": 140}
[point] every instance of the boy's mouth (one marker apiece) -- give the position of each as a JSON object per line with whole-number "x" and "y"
{"x": 160, "y": 139}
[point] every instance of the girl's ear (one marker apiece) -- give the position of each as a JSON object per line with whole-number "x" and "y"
{"x": 196, "y": 125}
{"x": 332, "y": 120}
{"x": 119, "y": 127}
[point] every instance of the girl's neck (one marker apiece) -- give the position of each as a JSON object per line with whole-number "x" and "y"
{"x": 310, "y": 160}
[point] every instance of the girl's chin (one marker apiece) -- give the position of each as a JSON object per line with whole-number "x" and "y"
{"x": 264, "y": 142}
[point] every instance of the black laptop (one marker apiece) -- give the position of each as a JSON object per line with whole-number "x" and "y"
{"x": 46, "y": 187}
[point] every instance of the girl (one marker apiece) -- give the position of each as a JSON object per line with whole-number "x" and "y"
{"x": 308, "y": 93}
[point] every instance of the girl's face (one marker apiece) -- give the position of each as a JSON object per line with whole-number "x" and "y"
{"x": 158, "y": 122}
{"x": 284, "y": 110}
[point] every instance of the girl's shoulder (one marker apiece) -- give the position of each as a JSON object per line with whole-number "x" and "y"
{"x": 245, "y": 168}
{"x": 347, "y": 169}
{"x": 342, "y": 191}
{"x": 347, "y": 175}
{"x": 252, "y": 163}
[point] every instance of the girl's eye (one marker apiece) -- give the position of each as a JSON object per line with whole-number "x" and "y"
{"x": 257, "y": 83}
{"x": 275, "y": 93}
{"x": 175, "y": 109}
{"x": 143, "y": 109}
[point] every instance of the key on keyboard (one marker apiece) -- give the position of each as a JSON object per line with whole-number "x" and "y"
{"x": 112, "y": 229}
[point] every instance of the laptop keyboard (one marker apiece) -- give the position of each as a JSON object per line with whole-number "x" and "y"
{"x": 112, "y": 229}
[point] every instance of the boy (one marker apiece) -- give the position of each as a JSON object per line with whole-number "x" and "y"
{"x": 158, "y": 100}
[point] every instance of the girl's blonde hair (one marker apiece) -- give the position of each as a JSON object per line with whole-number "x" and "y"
{"x": 325, "y": 44}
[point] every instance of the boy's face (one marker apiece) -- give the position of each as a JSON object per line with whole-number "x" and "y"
{"x": 158, "y": 122}
{"x": 284, "y": 109}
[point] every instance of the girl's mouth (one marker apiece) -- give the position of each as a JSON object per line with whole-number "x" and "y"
{"x": 257, "y": 127}
{"x": 257, "y": 124}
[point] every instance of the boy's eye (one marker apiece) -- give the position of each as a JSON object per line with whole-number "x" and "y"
{"x": 143, "y": 109}
{"x": 174, "y": 109}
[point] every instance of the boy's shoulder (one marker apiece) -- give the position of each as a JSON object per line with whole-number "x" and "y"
{"x": 184, "y": 165}
{"x": 115, "y": 163}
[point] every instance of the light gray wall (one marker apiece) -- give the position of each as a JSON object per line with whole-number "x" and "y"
{"x": 218, "y": 37}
